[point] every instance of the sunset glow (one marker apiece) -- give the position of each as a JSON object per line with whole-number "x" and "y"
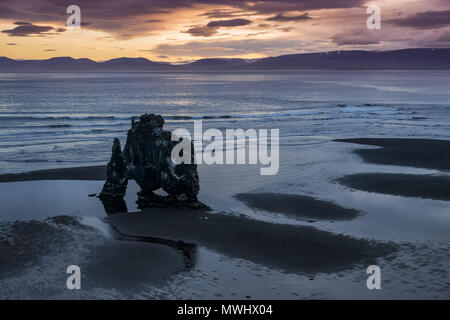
{"x": 179, "y": 31}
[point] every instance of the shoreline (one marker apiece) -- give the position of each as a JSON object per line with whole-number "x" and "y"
{"x": 392, "y": 151}
{"x": 93, "y": 173}
{"x": 406, "y": 185}
{"x": 406, "y": 152}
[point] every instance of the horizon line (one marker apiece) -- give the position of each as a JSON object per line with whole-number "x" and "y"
{"x": 227, "y": 58}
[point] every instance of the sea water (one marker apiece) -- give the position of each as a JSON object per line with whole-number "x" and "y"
{"x": 70, "y": 119}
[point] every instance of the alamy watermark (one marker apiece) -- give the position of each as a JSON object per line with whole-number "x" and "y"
{"x": 74, "y": 280}
{"x": 374, "y": 280}
{"x": 374, "y": 20}
{"x": 74, "y": 20}
{"x": 231, "y": 150}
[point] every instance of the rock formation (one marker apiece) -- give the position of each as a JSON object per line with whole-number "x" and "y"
{"x": 146, "y": 158}
{"x": 116, "y": 183}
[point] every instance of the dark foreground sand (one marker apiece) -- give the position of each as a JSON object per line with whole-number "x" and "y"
{"x": 420, "y": 153}
{"x": 80, "y": 173}
{"x": 62, "y": 240}
{"x": 296, "y": 249}
{"x": 290, "y": 248}
{"x": 124, "y": 265}
{"x": 297, "y": 206}
{"x": 407, "y": 185}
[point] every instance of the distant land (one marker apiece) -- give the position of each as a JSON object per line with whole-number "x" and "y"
{"x": 405, "y": 59}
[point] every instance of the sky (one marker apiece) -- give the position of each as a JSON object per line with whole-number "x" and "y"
{"x": 180, "y": 31}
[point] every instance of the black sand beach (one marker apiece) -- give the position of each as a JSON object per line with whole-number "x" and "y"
{"x": 406, "y": 185}
{"x": 79, "y": 173}
{"x": 420, "y": 153}
{"x": 297, "y": 249}
{"x": 297, "y": 206}
{"x": 107, "y": 262}
{"x": 157, "y": 244}
{"x": 123, "y": 265}
{"x": 290, "y": 248}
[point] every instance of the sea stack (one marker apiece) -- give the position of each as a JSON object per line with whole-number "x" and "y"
{"x": 146, "y": 158}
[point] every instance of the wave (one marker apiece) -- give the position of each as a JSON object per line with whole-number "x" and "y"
{"x": 77, "y": 117}
{"x": 60, "y": 117}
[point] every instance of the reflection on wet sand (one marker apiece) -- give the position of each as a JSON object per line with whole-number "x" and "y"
{"x": 188, "y": 250}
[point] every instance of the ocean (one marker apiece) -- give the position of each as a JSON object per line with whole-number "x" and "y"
{"x": 70, "y": 119}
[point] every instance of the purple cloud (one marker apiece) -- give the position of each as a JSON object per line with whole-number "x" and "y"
{"x": 354, "y": 38}
{"x": 424, "y": 20}
{"x": 25, "y": 29}
{"x": 282, "y": 18}
{"x": 201, "y": 31}
{"x": 211, "y": 28}
{"x": 228, "y": 23}
{"x": 126, "y": 17}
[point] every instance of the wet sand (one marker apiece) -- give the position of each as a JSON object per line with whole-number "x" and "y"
{"x": 60, "y": 241}
{"x": 290, "y": 248}
{"x": 297, "y": 206}
{"x": 420, "y": 153}
{"x": 294, "y": 249}
{"x": 123, "y": 265}
{"x": 94, "y": 173}
{"x": 406, "y": 185}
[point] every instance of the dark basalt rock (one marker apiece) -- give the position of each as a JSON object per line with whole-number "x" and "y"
{"x": 146, "y": 158}
{"x": 151, "y": 199}
{"x": 113, "y": 205}
{"x": 116, "y": 181}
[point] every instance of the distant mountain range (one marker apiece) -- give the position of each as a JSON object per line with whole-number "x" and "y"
{"x": 337, "y": 60}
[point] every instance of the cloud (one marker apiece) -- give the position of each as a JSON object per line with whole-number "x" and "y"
{"x": 208, "y": 21}
{"x": 229, "y": 48}
{"x": 228, "y": 23}
{"x": 12, "y": 44}
{"x": 437, "y": 40}
{"x": 287, "y": 29}
{"x": 211, "y": 28}
{"x": 220, "y": 14}
{"x": 428, "y": 38}
{"x": 424, "y": 20}
{"x": 25, "y": 29}
{"x": 272, "y": 6}
{"x": 153, "y": 21}
{"x": 49, "y": 50}
{"x": 282, "y": 18}
{"x": 443, "y": 38}
{"x": 201, "y": 31}
{"x": 354, "y": 38}
{"x": 126, "y": 19}
{"x": 20, "y": 23}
